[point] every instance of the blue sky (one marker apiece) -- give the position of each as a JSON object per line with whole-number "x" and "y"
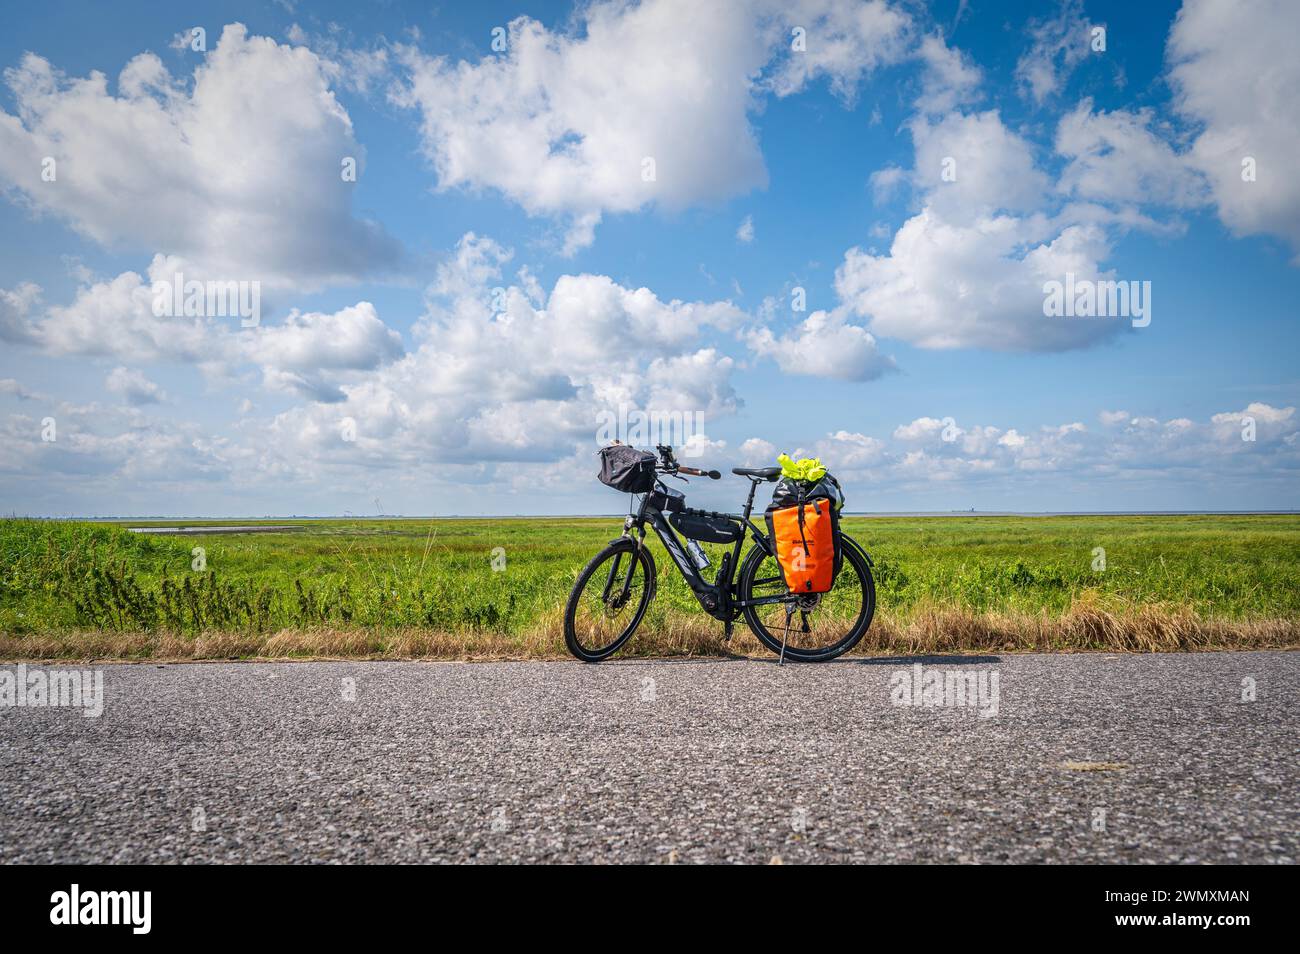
{"x": 444, "y": 334}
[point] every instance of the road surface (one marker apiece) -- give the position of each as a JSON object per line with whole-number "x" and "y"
{"x": 1084, "y": 758}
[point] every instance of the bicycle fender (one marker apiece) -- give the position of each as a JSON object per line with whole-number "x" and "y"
{"x": 860, "y": 548}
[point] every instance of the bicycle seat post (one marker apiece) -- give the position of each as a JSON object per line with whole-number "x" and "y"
{"x": 749, "y": 504}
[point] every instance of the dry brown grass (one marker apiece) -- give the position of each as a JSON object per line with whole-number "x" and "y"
{"x": 1089, "y": 625}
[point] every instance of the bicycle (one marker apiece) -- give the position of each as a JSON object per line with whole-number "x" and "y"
{"x": 600, "y": 618}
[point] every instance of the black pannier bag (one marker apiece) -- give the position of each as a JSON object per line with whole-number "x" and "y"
{"x": 698, "y": 525}
{"x": 627, "y": 469}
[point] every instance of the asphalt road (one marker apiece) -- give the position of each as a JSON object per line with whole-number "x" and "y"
{"x": 1088, "y": 758}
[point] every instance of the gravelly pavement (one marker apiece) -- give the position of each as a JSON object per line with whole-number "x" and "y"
{"x": 661, "y": 761}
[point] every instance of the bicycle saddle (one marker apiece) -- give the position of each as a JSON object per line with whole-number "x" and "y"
{"x": 757, "y": 473}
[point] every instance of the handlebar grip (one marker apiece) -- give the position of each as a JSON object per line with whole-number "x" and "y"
{"x": 691, "y": 471}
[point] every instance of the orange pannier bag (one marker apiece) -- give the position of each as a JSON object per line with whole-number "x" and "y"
{"x": 805, "y": 537}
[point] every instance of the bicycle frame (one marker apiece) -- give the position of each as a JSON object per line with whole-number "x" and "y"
{"x": 720, "y": 598}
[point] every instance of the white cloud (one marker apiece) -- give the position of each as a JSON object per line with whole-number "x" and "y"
{"x": 1236, "y": 74}
{"x": 989, "y": 168}
{"x": 582, "y": 115}
{"x": 948, "y": 78}
{"x": 884, "y": 182}
{"x": 308, "y": 352}
{"x": 505, "y": 372}
{"x": 745, "y": 232}
{"x": 311, "y": 353}
{"x": 194, "y": 170}
{"x": 968, "y": 270}
{"x": 854, "y": 451}
{"x": 823, "y": 345}
{"x": 1116, "y": 157}
{"x": 502, "y": 371}
{"x": 844, "y": 42}
{"x": 16, "y": 389}
{"x": 15, "y": 306}
{"x": 101, "y": 442}
{"x": 757, "y": 452}
{"x": 115, "y": 318}
{"x": 1060, "y": 44}
{"x": 645, "y": 104}
{"x": 134, "y": 387}
{"x": 979, "y": 285}
{"x": 1270, "y": 423}
{"x": 1007, "y": 458}
{"x": 922, "y": 428}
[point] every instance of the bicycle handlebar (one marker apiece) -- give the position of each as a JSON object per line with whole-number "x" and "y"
{"x": 668, "y": 465}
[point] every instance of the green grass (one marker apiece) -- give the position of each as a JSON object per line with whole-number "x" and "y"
{"x": 437, "y": 575}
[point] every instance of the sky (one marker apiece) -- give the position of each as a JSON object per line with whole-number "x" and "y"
{"x": 356, "y": 258}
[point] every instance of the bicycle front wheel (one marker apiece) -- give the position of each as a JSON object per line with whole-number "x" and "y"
{"x": 814, "y": 627}
{"x": 609, "y": 601}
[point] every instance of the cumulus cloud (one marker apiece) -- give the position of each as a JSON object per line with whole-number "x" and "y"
{"x": 507, "y": 372}
{"x": 976, "y": 284}
{"x": 933, "y": 449}
{"x": 825, "y": 345}
{"x": 745, "y": 232}
{"x": 610, "y": 118}
{"x": 972, "y": 164}
{"x": 1236, "y": 75}
{"x": 757, "y": 452}
{"x": 948, "y": 78}
{"x": 1261, "y": 420}
{"x": 121, "y": 442}
{"x": 1117, "y": 157}
{"x": 969, "y": 269}
{"x": 310, "y": 354}
{"x": 608, "y": 121}
{"x": 115, "y": 318}
{"x": 308, "y": 351}
{"x": 185, "y": 167}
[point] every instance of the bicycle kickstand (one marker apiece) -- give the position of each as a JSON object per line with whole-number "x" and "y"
{"x": 785, "y": 633}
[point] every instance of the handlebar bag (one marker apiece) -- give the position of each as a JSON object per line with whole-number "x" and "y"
{"x": 627, "y": 469}
{"x": 804, "y": 523}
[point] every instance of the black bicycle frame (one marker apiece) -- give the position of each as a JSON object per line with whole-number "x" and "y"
{"x": 720, "y": 598}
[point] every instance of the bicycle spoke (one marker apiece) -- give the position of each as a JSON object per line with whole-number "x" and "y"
{"x": 610, "y": 602}
{"x": 823, "y": 620}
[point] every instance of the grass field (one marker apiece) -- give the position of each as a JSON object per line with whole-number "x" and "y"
{"x": 428, "y": 587}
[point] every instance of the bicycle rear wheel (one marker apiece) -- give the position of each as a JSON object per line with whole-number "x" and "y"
{"x": 815, "y": 627}
{"x": 608, "y": 601}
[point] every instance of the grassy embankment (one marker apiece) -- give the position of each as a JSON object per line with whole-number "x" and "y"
{"x": 405, "y": 588}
